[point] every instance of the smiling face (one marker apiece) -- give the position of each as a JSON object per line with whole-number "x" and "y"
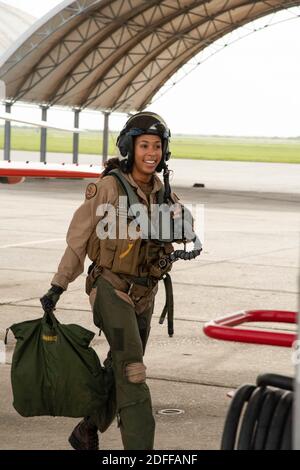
{"x": 147, "y": 156}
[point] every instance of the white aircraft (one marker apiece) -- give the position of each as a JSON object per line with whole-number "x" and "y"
{"x": 45, "y": 124}
{"x": 16, "y": 172}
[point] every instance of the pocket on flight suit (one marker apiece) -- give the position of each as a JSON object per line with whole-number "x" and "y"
{"x": 107, "y": 252}
{"x": 95, "y": 309}
{"x": 124, "y": 297}
{"x": 127, "y": 256}
{"x": 116, "y": 314}
{"x": 143, "y": 302}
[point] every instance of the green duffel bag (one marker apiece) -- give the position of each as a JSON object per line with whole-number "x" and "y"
{"x": 54, "y": 371}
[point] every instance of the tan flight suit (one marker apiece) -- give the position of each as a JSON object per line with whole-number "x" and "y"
{"x": 122, "y": 308}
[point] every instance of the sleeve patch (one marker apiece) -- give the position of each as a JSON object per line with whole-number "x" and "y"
{"x": 91, "y": 191}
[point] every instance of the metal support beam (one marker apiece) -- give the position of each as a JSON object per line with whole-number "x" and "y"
{"x": 76, "y": 136}
{"x": 7, "y": 133}
{"x": 105, "y": 137}
{"x": 43, "y": 148}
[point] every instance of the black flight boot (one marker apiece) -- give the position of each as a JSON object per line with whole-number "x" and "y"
{"x": 85, "y": 436}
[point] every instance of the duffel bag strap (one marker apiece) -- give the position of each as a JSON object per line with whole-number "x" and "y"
{"x": 6, "y": 335}
{"x": 50, "y": 318}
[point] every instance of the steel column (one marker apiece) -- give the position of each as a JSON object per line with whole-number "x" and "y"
{"x": 76, "y": 136}
{"x": 43, "y": 148}
{"x": 105, "y": 137}
{"x": 7, "y": 133}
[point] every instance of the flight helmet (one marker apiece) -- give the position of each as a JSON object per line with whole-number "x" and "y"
{"x": 143, "y": 123}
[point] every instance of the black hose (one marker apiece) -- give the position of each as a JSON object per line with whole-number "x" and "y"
{"x": 275, "y": 380}
{"x": 278, "y": 421}
{"x": 241, "y": 396}
{"x": 252, "y": 412}
{"x": 166, "y": 176}
{"x": 286, "y": 443}
{"x": 261, "y": 418}
{"x": 185, "y": 255}
{"x": 264, "y": 420}
{"x": 180, "y": 254}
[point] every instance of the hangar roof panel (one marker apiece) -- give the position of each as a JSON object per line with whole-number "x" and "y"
{"x": 13, "y": 23}
{"x": 116, "y": 54}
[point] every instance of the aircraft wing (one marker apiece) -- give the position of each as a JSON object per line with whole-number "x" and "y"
{"x": 16, "y": 172}
{"x": 46, "y": 124}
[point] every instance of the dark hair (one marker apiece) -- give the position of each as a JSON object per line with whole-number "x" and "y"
{"x": 114, "y": 163}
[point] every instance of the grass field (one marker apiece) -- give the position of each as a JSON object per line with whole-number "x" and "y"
{"x": 182, "y": 146}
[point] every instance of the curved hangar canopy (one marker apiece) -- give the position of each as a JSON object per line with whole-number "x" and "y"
{"x": 13, "y": 23}
{"x": 116, "y": 54}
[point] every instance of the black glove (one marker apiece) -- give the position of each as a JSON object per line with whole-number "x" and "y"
{"x": 50, "y": 299}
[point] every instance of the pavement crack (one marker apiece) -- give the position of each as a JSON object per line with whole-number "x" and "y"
{"x": 190, "y": 382}
{"x": 221, "y": 286}
{"x": 155, "y": 316}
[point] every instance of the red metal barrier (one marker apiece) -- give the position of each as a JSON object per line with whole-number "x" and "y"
{"x": 222, "y": 328}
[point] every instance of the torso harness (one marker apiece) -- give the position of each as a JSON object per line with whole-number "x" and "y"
{"x": 181, "y": 229}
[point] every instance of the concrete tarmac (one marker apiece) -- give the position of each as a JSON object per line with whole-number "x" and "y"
{"x": 250, "y": 261}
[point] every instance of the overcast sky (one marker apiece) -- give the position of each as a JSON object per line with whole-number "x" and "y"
{"x": 250, "y": 88}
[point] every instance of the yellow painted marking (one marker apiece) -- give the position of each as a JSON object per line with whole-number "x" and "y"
{"x": 49, "y": 339}
{"x": 125, "y": 253}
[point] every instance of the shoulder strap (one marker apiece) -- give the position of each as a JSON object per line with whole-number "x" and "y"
{"x": 127, "y": 188}
{"x": 132, "y": 197}
{"x": 133, "y": 200}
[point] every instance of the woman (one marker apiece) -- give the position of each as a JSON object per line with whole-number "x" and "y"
{"x": 123, "y": 278}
